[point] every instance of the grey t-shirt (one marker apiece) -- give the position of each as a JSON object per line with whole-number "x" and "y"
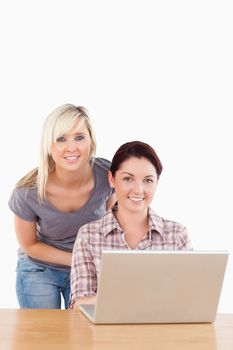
{"x": 56, "y": 228}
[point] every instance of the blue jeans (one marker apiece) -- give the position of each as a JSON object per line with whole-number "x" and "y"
{"x": 40, "y": 287}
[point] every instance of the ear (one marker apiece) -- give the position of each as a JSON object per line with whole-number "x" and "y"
{"x": 110, "y": 179}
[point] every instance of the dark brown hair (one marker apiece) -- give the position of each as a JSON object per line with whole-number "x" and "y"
{"x": 136, "y": 149}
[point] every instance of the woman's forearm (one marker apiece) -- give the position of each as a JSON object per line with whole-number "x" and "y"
{"x": 46, "y": 253}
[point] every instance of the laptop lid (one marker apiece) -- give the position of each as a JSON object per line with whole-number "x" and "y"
{"x": 142, "y": 286}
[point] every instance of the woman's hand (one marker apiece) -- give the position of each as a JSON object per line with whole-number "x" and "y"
{"x": 85, "y": 300}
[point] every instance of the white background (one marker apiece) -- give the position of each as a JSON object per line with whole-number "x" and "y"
{"x": 156, "y": 71}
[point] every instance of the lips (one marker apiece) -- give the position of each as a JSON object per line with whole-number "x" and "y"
{"x": 136, "y": 199}
{"x": 71, "y": 157}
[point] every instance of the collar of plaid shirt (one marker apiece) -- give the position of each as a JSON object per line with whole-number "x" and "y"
{"x": 109, "y": 222}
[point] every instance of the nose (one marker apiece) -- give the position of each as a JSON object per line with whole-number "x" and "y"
{"x": 71, "y": 145}
{"x": 138, "y": 187}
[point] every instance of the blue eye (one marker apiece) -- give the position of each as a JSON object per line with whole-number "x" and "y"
{"x": 61, "y": 139}
{"x": 79, "y": 137}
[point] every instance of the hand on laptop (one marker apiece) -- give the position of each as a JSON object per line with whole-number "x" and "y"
{"x": 85, "y": 300}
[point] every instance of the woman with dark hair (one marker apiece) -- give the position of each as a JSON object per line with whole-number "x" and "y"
{"x": 129, "y": 224}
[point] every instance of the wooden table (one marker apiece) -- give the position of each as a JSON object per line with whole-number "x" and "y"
{"x": 62, "y": 329}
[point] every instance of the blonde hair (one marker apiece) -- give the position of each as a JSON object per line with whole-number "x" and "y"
{"x": 59, "y": 122}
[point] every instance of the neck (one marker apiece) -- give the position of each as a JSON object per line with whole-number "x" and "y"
{"x": 132, "y": 221}
{"x": 70, "y": 179}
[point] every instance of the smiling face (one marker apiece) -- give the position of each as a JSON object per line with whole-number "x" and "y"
{"x": 71, "y": 151}
{"x": 135, "y": 183}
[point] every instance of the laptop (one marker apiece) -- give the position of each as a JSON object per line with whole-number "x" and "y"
{"x": 143, "y": 286}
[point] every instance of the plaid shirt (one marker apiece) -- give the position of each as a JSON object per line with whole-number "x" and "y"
{"x": 106, "y": 234}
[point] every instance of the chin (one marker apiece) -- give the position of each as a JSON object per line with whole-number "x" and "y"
{"x": 137, "y": 209}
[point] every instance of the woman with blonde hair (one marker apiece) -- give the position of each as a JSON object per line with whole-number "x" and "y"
{"x": 68, "y": 189}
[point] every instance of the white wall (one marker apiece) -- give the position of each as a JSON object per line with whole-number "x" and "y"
{"x": 157, "y": 71}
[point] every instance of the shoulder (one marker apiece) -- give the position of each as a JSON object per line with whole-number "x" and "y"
{"x": 24, "y": 192}
{"x": 96, "y": 230}
{"x": 164, "y": 225}
{"x": 24, "y": 202}
{"x": 93, "y": 227}
{"x": 100, "y": 168}
{"x": 88, "y": 234}
{"x": 172, "y": 226}
{"x": 102, "y": 164}
{"x": 167, "y": 228}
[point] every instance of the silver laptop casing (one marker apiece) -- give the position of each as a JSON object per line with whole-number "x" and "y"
{"x": 158, "y": 287}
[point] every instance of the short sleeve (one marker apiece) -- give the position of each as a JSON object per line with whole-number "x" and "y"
{"x": 20, "y": 203}
{"x": 102, "y": 167}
